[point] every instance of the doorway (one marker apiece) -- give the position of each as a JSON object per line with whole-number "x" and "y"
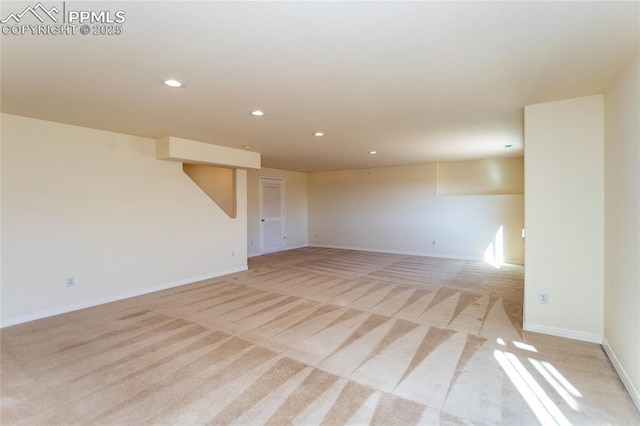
{"x": 272, "y": 236}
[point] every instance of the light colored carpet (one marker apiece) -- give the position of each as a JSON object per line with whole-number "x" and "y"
{"x": 312, "y": 336}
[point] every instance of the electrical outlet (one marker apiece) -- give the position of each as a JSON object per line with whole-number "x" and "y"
{"x": 71, "y": 281}
{"x": 433, "y": 243}
{"x": 543, "y": 297}
{"x": 233, "y": 254}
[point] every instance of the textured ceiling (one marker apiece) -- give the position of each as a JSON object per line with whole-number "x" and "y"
{"x": 415, "y": 81}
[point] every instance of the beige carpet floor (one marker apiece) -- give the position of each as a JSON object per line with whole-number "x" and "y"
{"x": 312, "y": 336}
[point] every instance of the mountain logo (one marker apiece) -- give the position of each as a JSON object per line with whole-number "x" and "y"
{"x": 39, "y": 11}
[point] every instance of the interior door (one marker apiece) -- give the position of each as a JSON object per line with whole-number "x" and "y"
{"x": 272, "y": 236}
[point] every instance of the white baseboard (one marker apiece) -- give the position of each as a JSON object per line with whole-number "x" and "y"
{"x": 561, "y": 332}
{"x": 297, "y": 247}
{"x": 286, "y": 249}
{"x": 95, "y": 302}
{"x": 405, "y": 253}
{"x": 633, "y": 392}
{"x": 412, "y": 253}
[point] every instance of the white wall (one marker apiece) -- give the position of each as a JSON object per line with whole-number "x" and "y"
{"x": 396, "y": 209}
{"x": 564, "y": 211}
{"x": 99, "y": 206}
{"x": 622, "y": 226}
{"x": 295, "y": 191}
{"x": 490, "y": 176}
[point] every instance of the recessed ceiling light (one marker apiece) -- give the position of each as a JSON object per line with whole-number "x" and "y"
{"x": 247, "y": 147}
{"x": 508, "y": 145}
{"x": 257, "y": 113}
{"x": 373, "y": 152}
{"x": 172, "y": 82}
{"x": 318, "y": 134}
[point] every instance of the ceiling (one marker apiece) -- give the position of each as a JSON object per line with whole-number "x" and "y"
{"x": 415, "y": 81}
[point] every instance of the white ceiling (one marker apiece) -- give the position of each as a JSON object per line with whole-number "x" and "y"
{"x": 416, "y": 81}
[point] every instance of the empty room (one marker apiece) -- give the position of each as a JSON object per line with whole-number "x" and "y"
{"x": 326, "y": 213}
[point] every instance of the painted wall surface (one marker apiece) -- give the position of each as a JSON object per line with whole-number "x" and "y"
{"x": 219, "y": 183}
{"x": 491, "y": 176}
{"x": 397, "y": 209}
{"x": 564, "y": 211}
{"x": 295, "y": 191}
{"x": 100, "y": 207}
{"x": 622, "y": 224}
